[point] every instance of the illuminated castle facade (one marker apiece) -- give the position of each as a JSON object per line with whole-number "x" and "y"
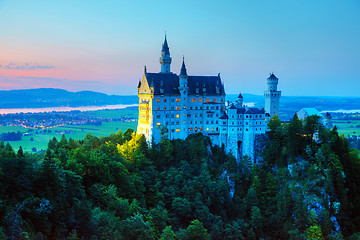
{"x": 179, "y": 105}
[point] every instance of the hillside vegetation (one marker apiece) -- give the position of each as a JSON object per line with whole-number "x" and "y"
{"x": 119, "y": 187}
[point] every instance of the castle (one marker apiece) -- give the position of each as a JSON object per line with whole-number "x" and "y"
{"x": 179, "y": 105}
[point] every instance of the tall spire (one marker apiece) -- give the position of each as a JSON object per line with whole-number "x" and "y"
{"x": 183, "y": 69}
{"x": 165, "y": 59}
{"x": 165, "y": 47}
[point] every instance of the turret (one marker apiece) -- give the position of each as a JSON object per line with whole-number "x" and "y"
{"x": 183, "y": 77}
{"x": 165, "y": 59}
{"x": 272, "y": 82}
{"x": 272, "y": 96}
{"x": 239, "y": 101}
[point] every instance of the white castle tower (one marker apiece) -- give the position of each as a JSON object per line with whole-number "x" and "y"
{"x": 272, "y": 96}
{"x": 165, "y": 59}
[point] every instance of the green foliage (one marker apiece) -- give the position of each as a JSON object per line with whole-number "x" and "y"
{"x": 196, "y": 231}
{"x": 119, "y": 187}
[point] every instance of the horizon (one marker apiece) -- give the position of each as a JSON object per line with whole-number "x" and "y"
{"x": 312, "y": 47}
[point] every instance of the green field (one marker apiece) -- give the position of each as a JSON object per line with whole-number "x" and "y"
{"x": 130, "y": 112}
{"x": 40, "y": 141}
{"x": 347, "y": 127}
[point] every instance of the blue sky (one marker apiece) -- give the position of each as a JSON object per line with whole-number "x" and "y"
{"x": 312, "y": 46}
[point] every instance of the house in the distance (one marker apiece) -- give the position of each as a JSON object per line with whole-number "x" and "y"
{"x": 324, "y": 119}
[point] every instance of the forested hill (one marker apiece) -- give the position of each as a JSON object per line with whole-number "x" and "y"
{"x": 51, "y": 97}
{"x": 118, "y": 187}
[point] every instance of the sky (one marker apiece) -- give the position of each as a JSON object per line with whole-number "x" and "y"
{"x": 313, "y": 47}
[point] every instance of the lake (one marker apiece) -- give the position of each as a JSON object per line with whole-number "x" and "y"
{"x": 63, "y": 109}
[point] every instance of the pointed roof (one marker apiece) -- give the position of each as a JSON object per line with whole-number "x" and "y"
{"x": 272, "y": 76}
{"x": 165, "y": 47}
{"x": 183, "y": 69}
{"x": 224, "y": 116}
{"x": 240, "y": 96}
{"x": 233, "y": 106}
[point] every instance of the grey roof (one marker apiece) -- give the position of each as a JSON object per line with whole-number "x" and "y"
{"x": 232, "y": 106}
{"x": 241, "y": 110}
{"x": 171, "y": 84}
{"x": 255, "y": 111}
{"x": 272, "y": 76}
{"x": 224, "y": 116}
{"x": 183, "y": 69}
{"x": 165, "y": 47}
{"x": 312, "y": 111}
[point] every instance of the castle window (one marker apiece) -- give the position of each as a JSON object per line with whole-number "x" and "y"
{"x": 158, "y": 116}
{"x": 190, "y": 122}
{"x": 200, "y": 122}
{"x": 189, "y": 115}
{"x": 177, "y": 116}
{"x": 200, "y": 99}
{"x": 193, "y": 99}
{"x": 172, "y": 100}
{"x": 212, "y": 129}
{"x": 172, "y": 108}
{"x": 164, "y": 108}
{"x": 247, "y": 123}
{"x": 172, "y": 115}
{"x": 260, "y": 129}
{"x": 196, "y": 129}
{"x": 164, "y": 99}
{"x": 200, "y": 114}
{"x": 217, "y": 129}
{"x": 167, "y": 123}
{"x": 217, "y": 107}
{"x": 184, "y": 107}
{"x": 255, "y": 122}
{"x": 158, "y": 100}
{"x": 207, "y": 122}
{"x": 200, "y": 108}
{"x": 177, "y": 130}
{"x": 212, "y": 122}
{"x": 207, "y": 129}
{"x": 167, "y": 116}
{"x": 217, "y": 122}
{"x": 172, "y": 130}
{"x": 200, "y": 128}
{"x": 177, "y": 108}
{"x": 178, "y": 100}
{"x": 207, "y": 107}
{"x": 195, "y": 114}
{"x": 207, "y": 100}
{"x": 247, "y": 129}
{"x": 232, "y": 123}
{"x": 190, "y": 129}
{"x": 224, "y": 123}
{"x": 256, "y": 129}
{"x": 158, "y": 108}
{"x": 190, "y": 108}
{"x": 177, "y": 123}
{"x": 214, "y": 100}
{"x": 250, "y": 116}
{"x": 224, "y": 129}
{"x": 232, "y": 116}
{"x": 247, "y": 116}
{"x": 158, "y": 123}
{"x": 217, "y": 115}
{"x": 172, "y": 123}
{"x": 195, "y": 122}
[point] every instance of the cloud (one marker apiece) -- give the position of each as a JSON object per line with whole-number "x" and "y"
{"x": 26, "y": 67}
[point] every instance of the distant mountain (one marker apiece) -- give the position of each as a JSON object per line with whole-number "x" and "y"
{"x": 51, "y": 97}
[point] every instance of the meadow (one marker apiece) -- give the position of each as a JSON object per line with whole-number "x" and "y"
{"x": 39, "y": 140}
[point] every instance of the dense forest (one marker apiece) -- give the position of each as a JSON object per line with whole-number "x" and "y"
{"x": 118, "y": 187}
